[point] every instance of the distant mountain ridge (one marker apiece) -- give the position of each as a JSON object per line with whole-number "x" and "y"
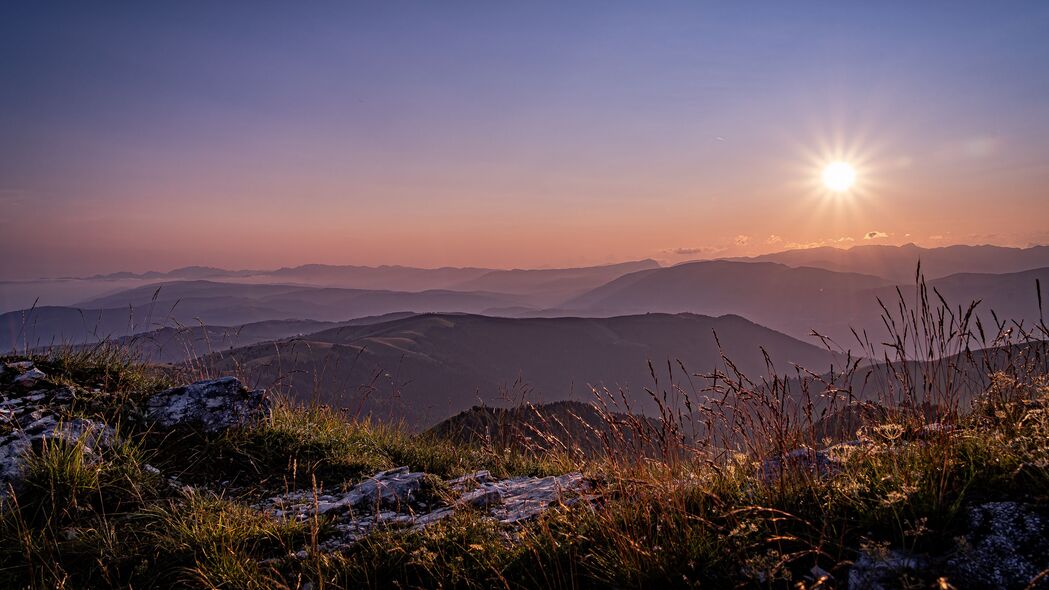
{"x": 156, "y": 338}
{"x": 895, "y": 263}
{"x": 185, "y": 272}
{"x": 791, "y": 300}
{"x": 236, "y": 303}
{"x": 403, "y": 278}
{"x": 898, "y": 263}
{"x": 798, "y": 300}
{"x": 544, "y": 287}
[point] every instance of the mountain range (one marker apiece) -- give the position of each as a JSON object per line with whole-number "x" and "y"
{"x": 898, "y": 263}
{"x": 454, "y": 337}
{"x": 801, "y": 300}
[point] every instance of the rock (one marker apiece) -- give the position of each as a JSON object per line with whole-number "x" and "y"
{"x": 481, "y": 498}
{"x": 470, "y": 481}
{"x": 34, "y": 404}
{"x": 1007, "y": 546}
{"x": 527, "y": 497}
{"x": 16, "y": 444}
{"x": 212, "y": 405}
{"x": 802, "y": 460}
{"x": 30, "y": 377}
{"x": 64, "y": 395}
{"x": 389, "y": 498}
{"x": 883, "y": 572}
{"x": 432, "y": 517}
{"x": 395, "y": 488}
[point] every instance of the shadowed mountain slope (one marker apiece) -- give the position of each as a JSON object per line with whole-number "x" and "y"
{"x": 579, "y": 428}
{"x": 431, "y": 366}
{"x": 158, "y": 340}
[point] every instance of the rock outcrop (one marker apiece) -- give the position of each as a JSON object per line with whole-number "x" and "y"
{"x": 34, "y": 411}
{"x": 816, "y": 463}
{"x": 213, "y": 405}
{"x": 14, "y": 445}
{"x": 393, "y": 498}
{"x": 1007, "y": 546}
{"x": 883, "y": 572}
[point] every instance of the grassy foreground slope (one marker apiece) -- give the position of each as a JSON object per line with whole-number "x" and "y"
{"x": 941, "y": 497}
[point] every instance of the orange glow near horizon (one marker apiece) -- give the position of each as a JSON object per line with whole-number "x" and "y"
{"x": 502, "y": 136}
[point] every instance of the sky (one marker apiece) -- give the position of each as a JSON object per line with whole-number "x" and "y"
{"x": 152, "y": 135}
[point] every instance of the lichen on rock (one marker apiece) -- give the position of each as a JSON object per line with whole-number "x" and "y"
{"x": 391, "y": 498}
{"x": 212, "y": 405}
{"x": 1007, "y": 546}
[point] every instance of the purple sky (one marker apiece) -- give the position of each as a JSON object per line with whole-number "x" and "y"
{"x": 161, "y": 134}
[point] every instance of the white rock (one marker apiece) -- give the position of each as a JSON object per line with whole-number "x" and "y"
{"x": 30, "y": 377}
{"x": 213, "y": 405}
{"x": 16, "y": 444}
{"x": 389, "y": 499}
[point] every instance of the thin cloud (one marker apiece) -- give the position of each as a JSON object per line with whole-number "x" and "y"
{"x": 804, "y": 245}
{"x": 687, "y": 251}
{"x": 834, "y": 241}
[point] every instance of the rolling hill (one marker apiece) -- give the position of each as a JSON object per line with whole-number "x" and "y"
{"x": 583, "y": 429}
{"x": 153, "y": 340}
{"x": 180, "y": 344}
{"x": 431, "y": 366}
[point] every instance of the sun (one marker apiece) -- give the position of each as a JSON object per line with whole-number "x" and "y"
{"x": 839, "y": 176}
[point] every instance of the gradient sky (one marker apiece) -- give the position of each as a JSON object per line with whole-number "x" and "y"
{"x": 151, "y": 135}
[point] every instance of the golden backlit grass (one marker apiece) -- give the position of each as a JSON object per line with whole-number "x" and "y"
{"x": 672, "y": 509}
